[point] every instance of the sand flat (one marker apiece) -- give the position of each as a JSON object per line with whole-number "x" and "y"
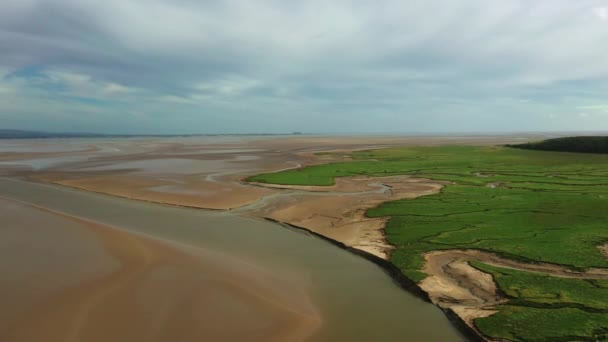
{"x": 182, "y": 191}
{"x": 338, "y": 211}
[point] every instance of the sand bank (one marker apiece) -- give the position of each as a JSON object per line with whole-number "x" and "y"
{"x": 338, "y": 212}
{"x": 452, "y": 283}
{"x": 188, "y": 191}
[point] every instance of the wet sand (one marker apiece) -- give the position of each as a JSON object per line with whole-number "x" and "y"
{"x": 338, "y": 212}
{"x": 183, "y": 191}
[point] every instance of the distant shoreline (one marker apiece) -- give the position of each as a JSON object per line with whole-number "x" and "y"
{"x": 26, "y": 134}
{"x": 16, "y": 134}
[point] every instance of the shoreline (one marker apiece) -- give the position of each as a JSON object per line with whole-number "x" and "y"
{"x": 392, "y": 270}
{"x": 389, "y": 268}
{"x": 339, "y": 211}
{"x": 396, "y": 275}
{"x": 467, "y": 329}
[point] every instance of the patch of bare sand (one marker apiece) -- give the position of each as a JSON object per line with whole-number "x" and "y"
{"x": 338, "y": 212}
{"x": 604, "y": 249}
{"x": 452, "y": 283}
{"x": 190, "y": 191}
{"x": 132, "y": 287}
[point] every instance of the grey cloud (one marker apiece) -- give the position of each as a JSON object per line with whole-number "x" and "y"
{"x": 236, "y": 64}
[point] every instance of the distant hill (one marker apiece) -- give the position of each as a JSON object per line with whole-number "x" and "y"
{"x": 591, "y": 144}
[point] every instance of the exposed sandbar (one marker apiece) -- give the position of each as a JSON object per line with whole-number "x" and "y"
{"x": 452, "y": 283}
{"x": 338, "y": 212}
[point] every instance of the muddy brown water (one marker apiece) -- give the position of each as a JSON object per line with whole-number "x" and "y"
{"x": 355, "y": 299}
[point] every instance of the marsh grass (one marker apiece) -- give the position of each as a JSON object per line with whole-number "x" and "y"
{"x": 526, "y": 205}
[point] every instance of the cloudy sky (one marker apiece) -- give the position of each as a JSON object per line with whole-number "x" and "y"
{"x": 232, "y": 66}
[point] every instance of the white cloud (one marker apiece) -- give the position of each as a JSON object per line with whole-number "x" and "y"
{"x": 113, "y": 88}
{"x": 83, "y": 85}
{"x": 176, "y": 99}
{"x": 601, "y": 109}
{"x": 601, "y": 12}
{"x": 69, "y": 78}
{"x": 228, "y": 86}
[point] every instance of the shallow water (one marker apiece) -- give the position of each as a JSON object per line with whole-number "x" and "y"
{"x": 179, "y": 189}
{"x": 40, "y": 145}
{"x": 218, "y": 151}
{"x": 357, "y": 300}
{"x": 165, "y": 166}
{"x": 45, "y": 162}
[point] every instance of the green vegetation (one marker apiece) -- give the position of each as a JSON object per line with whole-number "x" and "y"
{"x": 522, "y": 204}
{"x": 520, "y": 323}
{"x": 548, "y": 308}
{"x": 569, "y": 144}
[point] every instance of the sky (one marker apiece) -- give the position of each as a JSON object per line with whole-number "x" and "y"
{"x": 316, "y": 66}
